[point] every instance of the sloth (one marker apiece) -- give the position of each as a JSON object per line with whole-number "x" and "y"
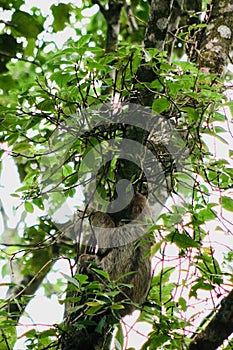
{"x": 124, "y": 253}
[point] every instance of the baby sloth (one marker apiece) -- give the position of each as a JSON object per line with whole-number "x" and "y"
{"x": 123, "y": 252}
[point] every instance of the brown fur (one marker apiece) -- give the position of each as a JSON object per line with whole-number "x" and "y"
{"x": 117, "y": 258}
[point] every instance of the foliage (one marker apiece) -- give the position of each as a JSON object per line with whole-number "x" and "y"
{"x": 42, "y": 88}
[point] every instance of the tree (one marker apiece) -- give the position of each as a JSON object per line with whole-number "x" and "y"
{"x": 146, "y": 76}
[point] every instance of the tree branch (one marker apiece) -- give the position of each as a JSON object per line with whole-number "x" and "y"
{"x": 219, "y": 328}
{"x": 27, "y": 287}
{"x": 218, "y": 38}
{"x": 112, "y": 16}
{"x": 214, "y": 46}
{"x": 160, "y": 13}
{"x": 155, "y": 37}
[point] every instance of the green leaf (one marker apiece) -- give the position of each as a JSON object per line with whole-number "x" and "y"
{"x": 219, "y": 129}
{"x": 39, "y": 203}
{"x": 227, "y": 203}
{"x": 72, "y": 179}
{"x": 8, "y": 49}
{"x": 23, "y": 188}
{"x": 71, "y": 280}
{"x": 67, "y": 170}
{"x": 155, "y": 248}
{"x": 15, "y": 195}
{"x": 119, "y": 339}
{"x": 9, "y": 333}
{"x": 12, "y": 139}
{"x": 160, "y": 105}
{"x": 156, "y": 341}
{"x": 218, "y": 117}
{"x": 28, "y": 207}
{"x": 117, "y": 307}
{"x": 30, "y": 334}
{"x": 182, "y": 303}
{"x": 192, "y": 113}
{"x": 46, "y": 105}
{"x": 230, "y": 105}
{"x": 186, "y": 66}
{"x": 93, "y": 303}
{"x": 61, "y": 15}
{"x": 21, "y": 147}
{"x": 84, "y": 40}
{"x": 156, "y": 85}
{"x": 5, "y": 4}
{"x": 93, "y": 310}
{"x": 164, "y": 276}
{"x": 182, "y": 240}
{"x": 5, "y": 270}
{"x": 200, "y": 285}
{"x": 207, "y": 213}
{"x": 102, "y": 273}
{"x": 29, "y": 50}
{"x": 26, "y": 24}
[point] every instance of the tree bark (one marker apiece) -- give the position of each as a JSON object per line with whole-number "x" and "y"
{"x": 128, "y": 263}
{"x": 112, "y": 16}
{"x": 215, "y": 44}
{"x": 159, "y": 18}
{"x": 219, "y": 328}
{"x": 216, "y": 41}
